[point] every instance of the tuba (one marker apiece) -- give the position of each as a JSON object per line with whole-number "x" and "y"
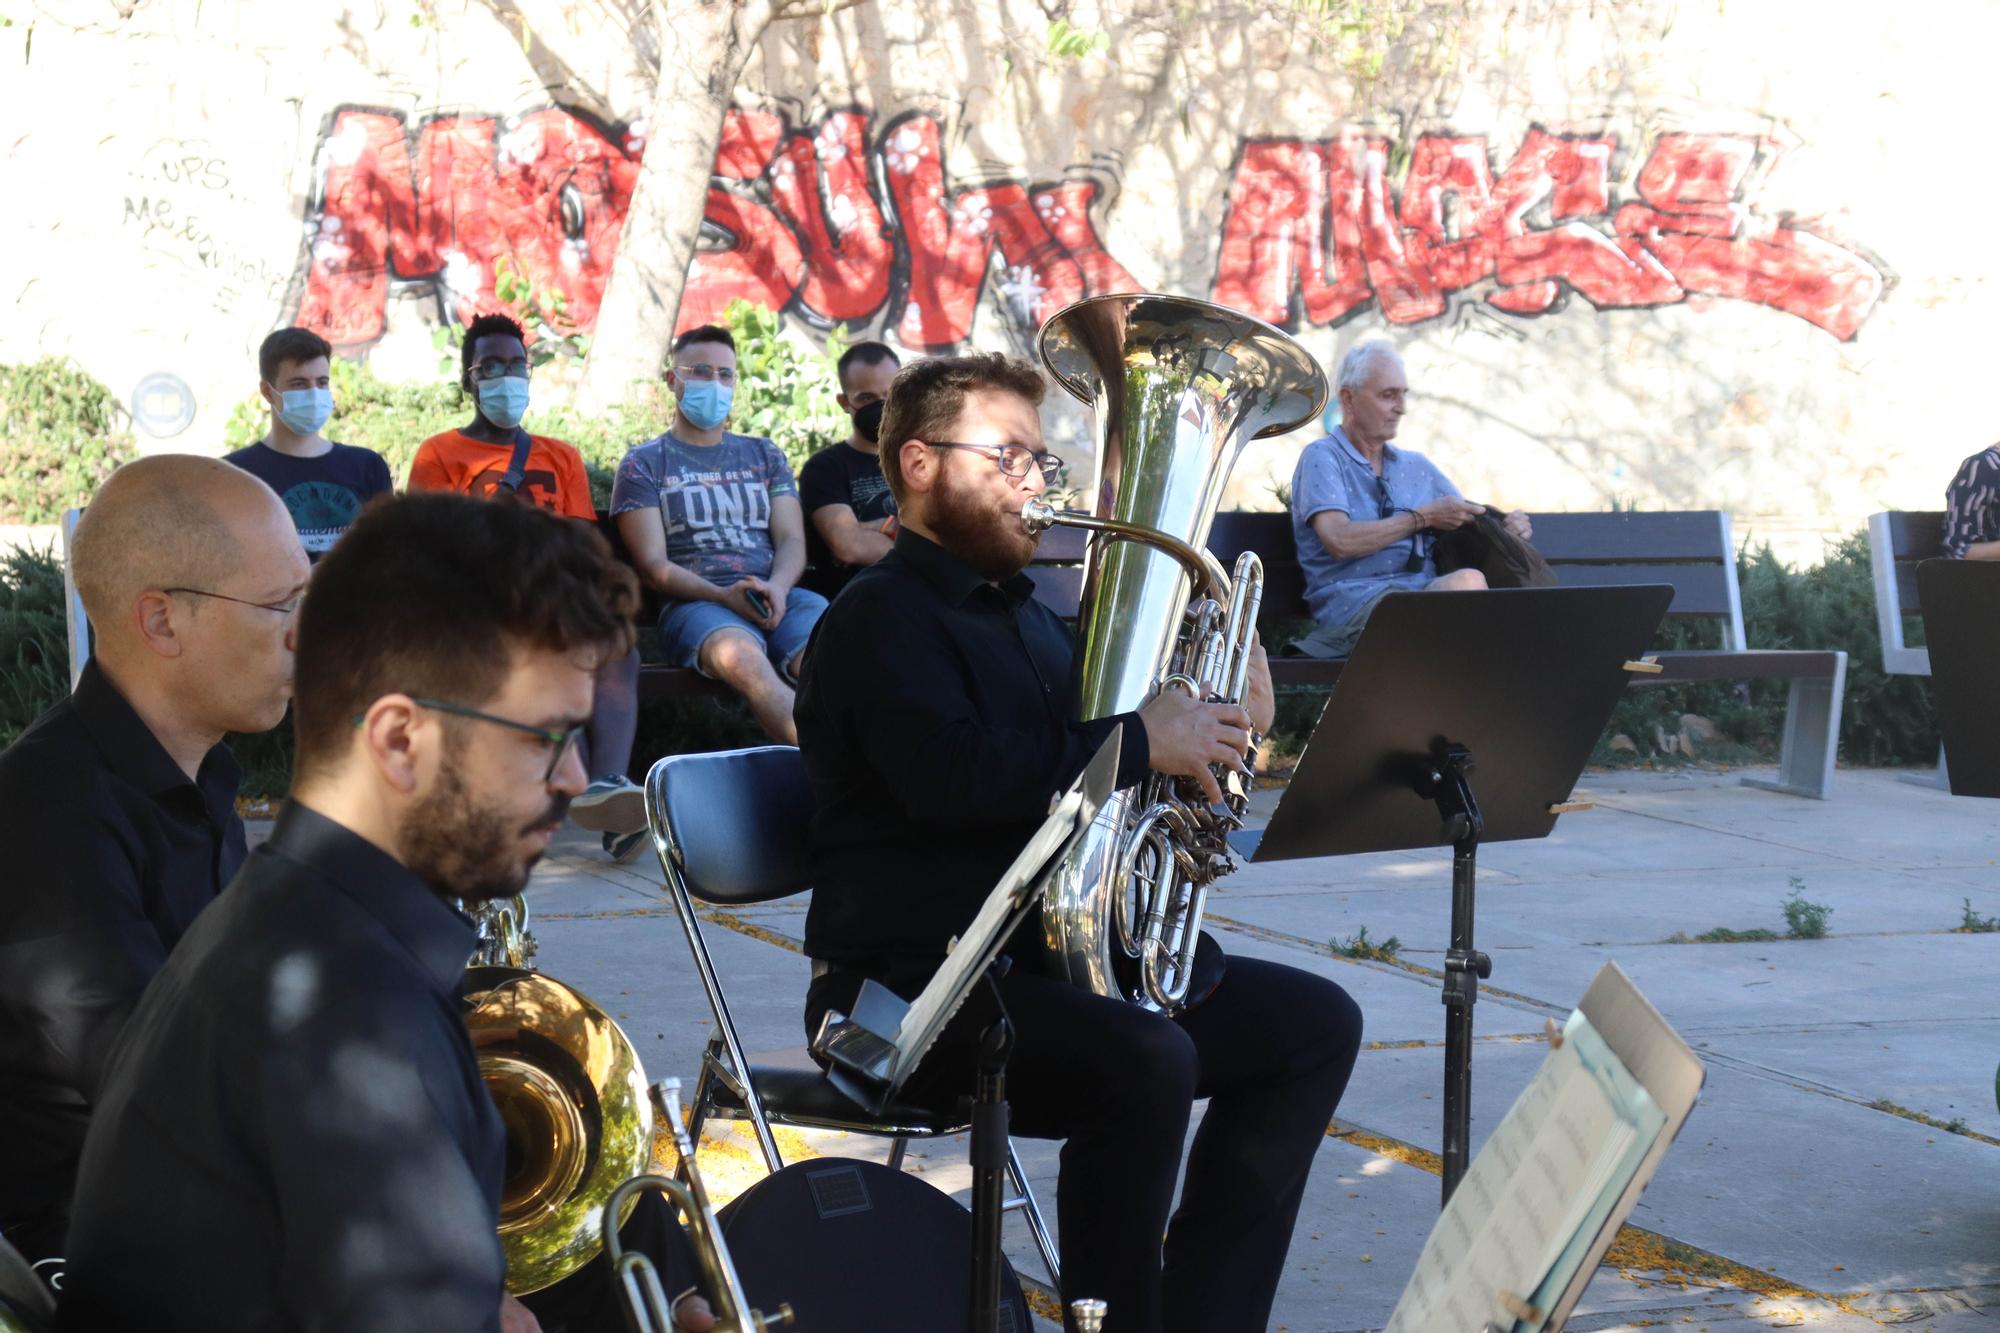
{"x": 1178, "y": 387}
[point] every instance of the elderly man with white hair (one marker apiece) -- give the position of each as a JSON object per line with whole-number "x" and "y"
{"x": 1364, "y": 512}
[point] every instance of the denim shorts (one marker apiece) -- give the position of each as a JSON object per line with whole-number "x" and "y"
{"x": 686, "y": 626}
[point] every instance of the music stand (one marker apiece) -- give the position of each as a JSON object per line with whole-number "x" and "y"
{"x": 1961, "y": 600}
{"x": 1515, "y": 684}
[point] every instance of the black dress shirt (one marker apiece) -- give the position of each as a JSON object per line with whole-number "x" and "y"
{"x": 111, "y": 854}
{"x": 934, "y": 720}
{"x": 294, "y": 1134}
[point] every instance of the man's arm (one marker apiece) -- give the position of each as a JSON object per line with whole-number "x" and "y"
{"x": 371, "y": 1140}
{"x": 788, "y": 542}
{"x": 1347, "y": 538}
{"x": 427, "y": 469}
{"x": 76, "y": 948}
{"x": 645, "y": 535}
{"x": 844, "y": 535}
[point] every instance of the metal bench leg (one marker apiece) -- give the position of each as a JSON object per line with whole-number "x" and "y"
{"x": 1812, "y": 735}
{"x": 896, "y": 1151}
{"x": 1940, "y": 779}
{"x": 1024, "y": 1199}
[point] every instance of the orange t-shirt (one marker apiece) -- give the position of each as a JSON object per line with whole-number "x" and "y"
{"x": 553, "y": 478}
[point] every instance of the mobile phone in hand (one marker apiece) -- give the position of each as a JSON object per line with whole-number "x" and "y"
{"x": 758, "y": 603}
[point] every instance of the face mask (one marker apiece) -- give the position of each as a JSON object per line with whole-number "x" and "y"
{"x": 707, "y": 402}
{"x": 868, "y": 420}
{"x": 305, "y": 410}
{"x": 504, "y": 402}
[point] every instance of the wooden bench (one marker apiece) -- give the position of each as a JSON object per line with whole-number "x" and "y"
{"x": 1691, "y": 551}
{"x": 1899, "y": 541}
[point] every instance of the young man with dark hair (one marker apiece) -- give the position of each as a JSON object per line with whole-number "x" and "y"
{"x": 713, "y": 524}
{"x": 323, "y": 484}
{"x": 850, "y": 512}
{"x": 935, "y": 724}
{"x": 297, "y": 1133}
{"x": 118, "y": 805}
{"x": 494, "y": 454}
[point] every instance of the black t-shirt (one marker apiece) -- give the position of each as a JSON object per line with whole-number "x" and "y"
{"x": 323, "y": 494}
{"x": 840, "y": 474}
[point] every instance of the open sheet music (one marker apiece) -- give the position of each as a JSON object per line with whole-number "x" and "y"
{"x": 1558, "y": 1175}
{"x": 873, "y": 1051}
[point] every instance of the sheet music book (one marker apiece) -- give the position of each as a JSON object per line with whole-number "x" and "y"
{"x": 873, "y": 1051}
{"x": 1541, "y": 1202}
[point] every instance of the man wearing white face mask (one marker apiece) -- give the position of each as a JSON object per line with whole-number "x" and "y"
{"x": 323, "y": 484}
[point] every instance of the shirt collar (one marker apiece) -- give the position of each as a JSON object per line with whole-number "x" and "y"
{"x": 953, "y": 579}
{"x": 438, "y": 936}
{"x": 1339, "y": 437}
{"x": 134, "y": 753}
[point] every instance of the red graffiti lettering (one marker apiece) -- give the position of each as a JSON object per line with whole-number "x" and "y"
{"x": 790, "y": 223}
{"x": 1314, "y": 229}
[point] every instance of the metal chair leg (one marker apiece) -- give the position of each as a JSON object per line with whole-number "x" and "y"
{"x": 896, "y": 1150}
{"x": 1033, "y": 1212}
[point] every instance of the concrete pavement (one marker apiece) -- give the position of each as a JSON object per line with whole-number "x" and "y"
{"x": 1841, "y": 1172}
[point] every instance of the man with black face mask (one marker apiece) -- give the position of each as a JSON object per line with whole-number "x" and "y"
{"x": 850, "y": 510}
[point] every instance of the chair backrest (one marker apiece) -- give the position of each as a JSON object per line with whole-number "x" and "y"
{"x": 1899, "y": 541}
{"x": 735, "y": 822}
{"x": 24, "y": 1302}
{"x": 79, "y": 622}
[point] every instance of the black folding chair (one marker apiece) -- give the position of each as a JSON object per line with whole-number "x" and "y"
{"x": 731, "y": 829}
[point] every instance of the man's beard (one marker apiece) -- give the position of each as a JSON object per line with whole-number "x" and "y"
{"x": 992, "y": 541}
{"x": 463, "y": 850}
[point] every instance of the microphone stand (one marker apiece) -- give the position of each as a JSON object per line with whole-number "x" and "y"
{"x": 989, "y": 1161}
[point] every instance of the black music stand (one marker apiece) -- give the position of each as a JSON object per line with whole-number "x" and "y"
{"x": 1961, "y": 601}
{"x": 1513, "y": 684}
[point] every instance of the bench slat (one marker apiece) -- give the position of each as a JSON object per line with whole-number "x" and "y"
{"x": 1916, "y": 535}
{"x": 1699, "y": 590}
{"x": 1637, "y": 538}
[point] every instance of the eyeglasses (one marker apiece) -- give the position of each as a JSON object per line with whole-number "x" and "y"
{"x": 286, "y": 609}
{"x": 493, "y": 368}
{"x": 1012, "y": 459}
{"x": 559, "y": 740}
{"x": 706, "y": 373}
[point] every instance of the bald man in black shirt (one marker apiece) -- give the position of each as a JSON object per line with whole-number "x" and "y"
{"x": 118, "y": 805}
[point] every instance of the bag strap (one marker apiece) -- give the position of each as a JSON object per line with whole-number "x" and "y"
{"x": 517, "y": 462}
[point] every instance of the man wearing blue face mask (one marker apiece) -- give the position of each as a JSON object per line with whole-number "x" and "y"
{"x": 713, "y": 524}
{"x": 323, "y": 484}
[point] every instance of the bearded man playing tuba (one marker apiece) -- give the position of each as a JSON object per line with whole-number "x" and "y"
{"x": 935, "y": 723}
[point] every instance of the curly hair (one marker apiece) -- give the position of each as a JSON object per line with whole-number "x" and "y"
{"x": 430, "y": 592}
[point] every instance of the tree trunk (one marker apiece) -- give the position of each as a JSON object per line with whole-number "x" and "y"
{"x": 704, "y": 45}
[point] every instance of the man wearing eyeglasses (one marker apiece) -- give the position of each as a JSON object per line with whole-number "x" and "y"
{"x": 1365, "y": 512}
{"x": 118, "y": 805}
{"x": 296, "y": 1133}
{"x": 935, "y": 722}
{"x": 713, "y": 524}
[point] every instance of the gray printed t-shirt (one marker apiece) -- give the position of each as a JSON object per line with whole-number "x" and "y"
{"x": 1332, "y": 475}
{"x": 715, "y": 500}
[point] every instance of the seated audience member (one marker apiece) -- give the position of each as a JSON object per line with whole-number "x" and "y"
{"x": 1972, "y": 508}
{"x": 118, "y": 805}
{"x": 494, "y": 454}
{"x": 713, "y": 523}
{"x": 323, "y": 484}
{"x": 850, "y": 510}
{"x": 1363, "y": 510}
{"x": 295, "y": 1133}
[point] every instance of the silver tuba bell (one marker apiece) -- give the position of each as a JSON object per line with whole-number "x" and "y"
{"x": 1178, "y": 388}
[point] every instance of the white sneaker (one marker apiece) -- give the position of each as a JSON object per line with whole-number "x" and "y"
{"x": 613, "y": 804}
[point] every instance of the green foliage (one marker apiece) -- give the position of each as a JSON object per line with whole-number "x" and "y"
{"x": 1358, "y": 945}
{"x": 61, "y": 433}
{"x": 784, "y": 391}
{"x": 34, "y": 638}
{"x": 1974, "y": 924}
{"x": 1069, "y": 42}
{"x": 1724, "y": 935}
{"x": 1804, "y": 918}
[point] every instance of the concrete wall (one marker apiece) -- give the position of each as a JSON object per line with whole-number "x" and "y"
{"x": 1672, "y": 255}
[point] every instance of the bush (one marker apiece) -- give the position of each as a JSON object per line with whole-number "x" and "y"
{"x": 34, "y": 638}
{"x": 785, "y": 392}
{"x": 61, "y": 433}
